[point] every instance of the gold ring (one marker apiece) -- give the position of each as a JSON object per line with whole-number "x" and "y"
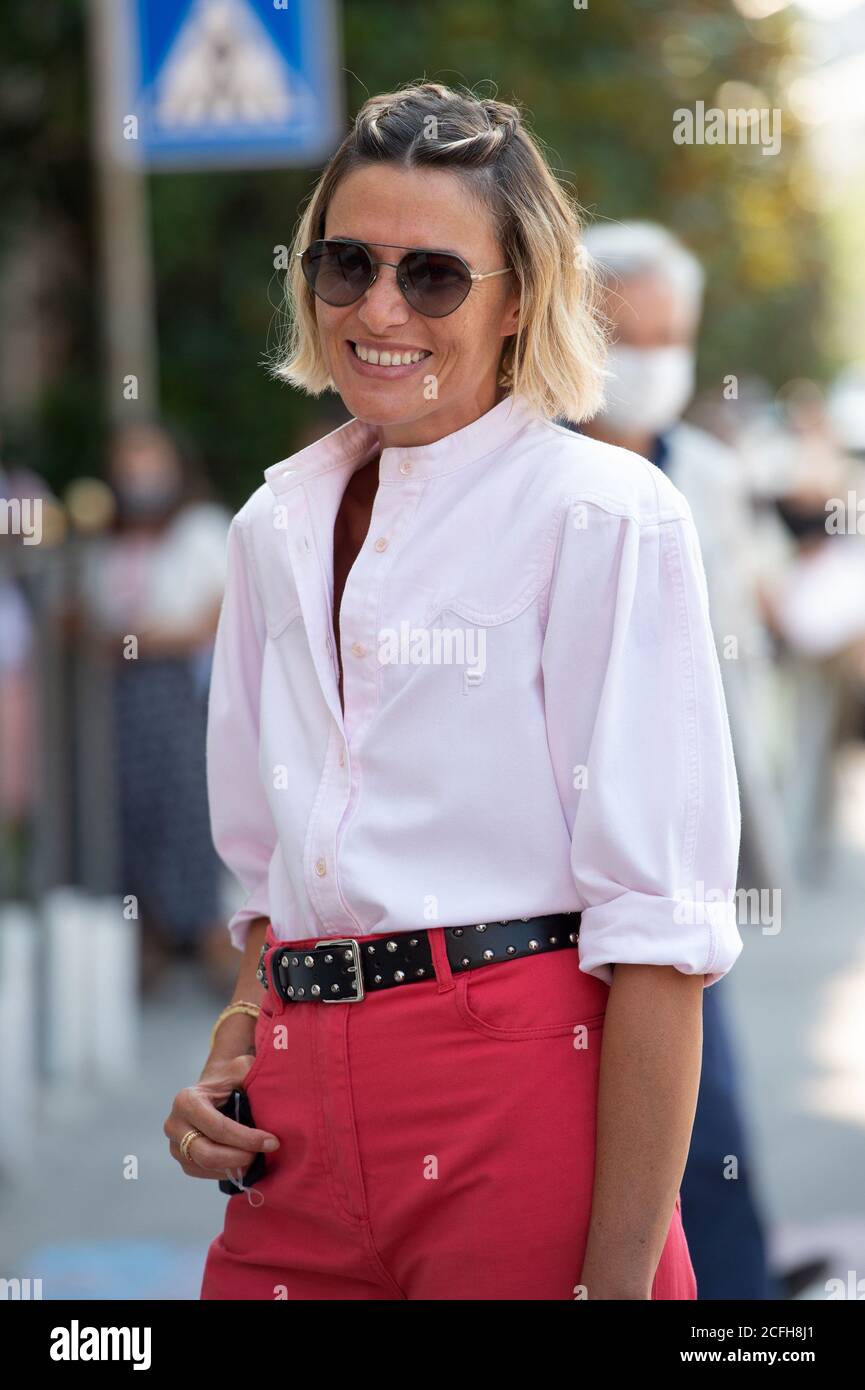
{"x": 186, "y": 1142}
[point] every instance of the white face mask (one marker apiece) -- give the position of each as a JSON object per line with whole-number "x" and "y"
{"x": 648, "y": 388}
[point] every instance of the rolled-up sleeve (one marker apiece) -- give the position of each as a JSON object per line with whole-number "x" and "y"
{"x": 240, "y": 819}
{"x": 638, "y": 715}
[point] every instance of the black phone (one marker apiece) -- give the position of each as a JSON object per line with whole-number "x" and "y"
{"x": 237, "y": 1108}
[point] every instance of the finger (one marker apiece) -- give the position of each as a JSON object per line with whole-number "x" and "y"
{"x": 234, "y": 1158}
{"x": 203, "y": 1114}
{"x": 202, "y": 1152}
{"x": 197, "y": 1110}
{"x": 191, "y": 1171}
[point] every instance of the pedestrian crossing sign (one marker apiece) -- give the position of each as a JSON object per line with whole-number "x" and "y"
{"x": 228, "y": 83}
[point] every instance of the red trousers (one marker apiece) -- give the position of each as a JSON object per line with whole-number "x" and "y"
{"x": 437, "y": 1141}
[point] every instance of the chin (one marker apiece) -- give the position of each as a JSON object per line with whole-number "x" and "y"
{"x": 381, "y": 407}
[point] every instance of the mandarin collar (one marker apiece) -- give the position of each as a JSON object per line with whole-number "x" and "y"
{"x": 356, "y": 442}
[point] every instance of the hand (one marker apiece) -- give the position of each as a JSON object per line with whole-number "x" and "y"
{"x": 225, "y": 1146}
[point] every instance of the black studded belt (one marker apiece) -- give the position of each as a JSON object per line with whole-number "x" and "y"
{"x": 344, "y": 970}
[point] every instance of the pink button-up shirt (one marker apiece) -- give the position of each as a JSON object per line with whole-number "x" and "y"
{"x": 534, "y": 716}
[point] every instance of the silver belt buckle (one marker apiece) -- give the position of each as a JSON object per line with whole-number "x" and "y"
{"x": 328, "y": 945}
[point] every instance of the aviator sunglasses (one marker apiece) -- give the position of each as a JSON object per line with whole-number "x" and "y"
{"x": 435, "y": 283}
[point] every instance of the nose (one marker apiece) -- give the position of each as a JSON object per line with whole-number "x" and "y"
{"x": 384, "y": 305}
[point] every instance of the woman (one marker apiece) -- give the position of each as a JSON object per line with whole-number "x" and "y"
{"x": 152, "y": 595}
{"x": 468, "y": 753}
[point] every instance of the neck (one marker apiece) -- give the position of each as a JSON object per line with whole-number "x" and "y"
{"x": 440, "y": 423}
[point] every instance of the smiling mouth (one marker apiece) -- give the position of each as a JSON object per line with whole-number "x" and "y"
{"x": 387, "y": 358}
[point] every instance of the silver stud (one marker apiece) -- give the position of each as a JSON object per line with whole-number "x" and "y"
{"x": 284, "y": 960}
{"x": 315, "y": 989}
{"x": 300, "y": 992}
{"x": 457, "y": 931}
{"x": 377, "y": 979}
{"x": 534, "y": 945}
{"x": 399, "y": 974}
{"x": 370, "y": 950}
{"x": 574, "y": 937}
{"x": 554, "y": 941}
{"x": 524, "y": 919}
{"x": 465, "y": 961}
{"x": 391, "y": 945}
{"x": 413, "y": 941}
{"x": 290, "y": 991}
{"x": 328, "y": 960}
{"x": 295, "y": 960}
{"x": 504, "y": 921}
{"x": 481, "y": 926}
{"x": 420, "y": 970}
{"x": 348, "y": 955}
{"x": 489, "y": 955}
{"x": 308, "y": 960}
{"x": 512, "y": 950}
{"x": 334, "y": 989}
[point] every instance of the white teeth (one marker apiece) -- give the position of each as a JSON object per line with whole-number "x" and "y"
{"x": 387, "y": 359}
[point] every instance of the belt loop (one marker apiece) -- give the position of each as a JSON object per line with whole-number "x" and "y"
{"x": 271, "y": 947}
{"x": 440, "y": 961}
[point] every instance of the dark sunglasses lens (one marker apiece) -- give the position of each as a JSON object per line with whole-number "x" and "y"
{"x": 338, "y": 273}
{"x": 434, "y": 283}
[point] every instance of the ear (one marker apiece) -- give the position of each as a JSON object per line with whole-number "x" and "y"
{"x": 511, "y": 319}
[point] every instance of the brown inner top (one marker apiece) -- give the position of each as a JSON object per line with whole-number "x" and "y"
{"x": 349, "y": 533}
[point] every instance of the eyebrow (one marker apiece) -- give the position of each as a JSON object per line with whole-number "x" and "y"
{"x": 441, "y": 250}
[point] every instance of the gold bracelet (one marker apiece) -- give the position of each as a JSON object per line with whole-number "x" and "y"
{"x": 241, "y": 1006}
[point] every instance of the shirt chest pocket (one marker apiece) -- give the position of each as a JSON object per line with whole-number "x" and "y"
{"x": 448, "y": 643}
{"x": 280, "y": 615}
{"x": 280, "y": 600}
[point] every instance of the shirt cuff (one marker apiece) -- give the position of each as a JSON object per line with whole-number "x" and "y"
{"x": 257, "y": 905}
{"x": 696, "y": 936}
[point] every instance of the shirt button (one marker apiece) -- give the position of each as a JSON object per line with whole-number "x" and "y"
{"x": 358, "y": 649}
{"x": 405, "y": 466}
{"x": 321, "y": 867}
{"x": 381, "y": 543}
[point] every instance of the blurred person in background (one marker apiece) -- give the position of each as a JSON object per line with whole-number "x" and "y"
{"x": 152, "y": 593}
{"x": 654, "y": 289}
{"x": 17, "y": 744}
{"x": 814, "y": 597}
{"x": 845, "y": 409}
{"x": 19, "y": 765}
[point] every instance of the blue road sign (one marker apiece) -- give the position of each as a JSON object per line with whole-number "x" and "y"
{"x": 228, "y": 83}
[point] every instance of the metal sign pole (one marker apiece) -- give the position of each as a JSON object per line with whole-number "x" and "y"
{"x": 126, "y": 264}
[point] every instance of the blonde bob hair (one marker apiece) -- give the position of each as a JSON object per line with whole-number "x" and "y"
{"x": 555, "y": 360}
